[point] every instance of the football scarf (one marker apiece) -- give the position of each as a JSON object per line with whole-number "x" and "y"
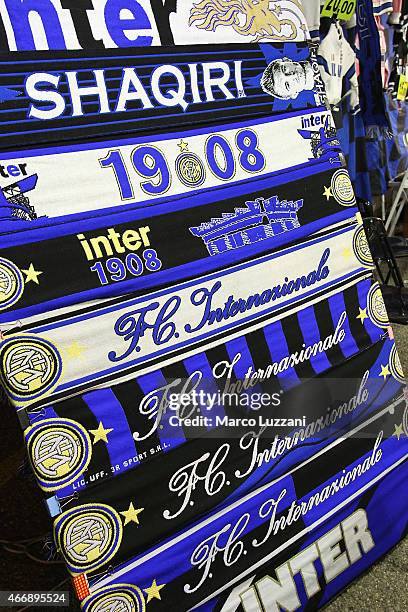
{"x": 42, "y": 187}
{"x": 210, "y": 552}
{"x": 352, "y": 136}
{"x": 98, "y": 24}
{"x": 75, "y": 96}
{"x": 211, "y": 555}
{"x": 396, "y": 151}
{"x": 220, "y": 471}
{"x": 307, "y": 558}
{"x": 125, "y": 252}
{"x": 101, "y": 434}
{"x": 370, "y": 83}
{"x": 117, "y": 338}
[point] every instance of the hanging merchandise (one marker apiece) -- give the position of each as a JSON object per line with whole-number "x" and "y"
{"x": 131, "y": 423}
{"x": 124, "y": 252}
{"x": 385, "y": 32}
{"x": 376, "y": 145}
{"x": 370, "y": 84}
{"x": 397, "y": 48}
{"x": 397, "y": 153}
{"x": 382, "y": 6}
{"x": 311, "y": 9}
{"x": 376, "y": 150}
{"x": 98, "y": 24}
{"x": 395, "y": 15}
{"x": 142, "y": 91}
{"x": 338, "y": 59}
{"x": 352, "y": 137}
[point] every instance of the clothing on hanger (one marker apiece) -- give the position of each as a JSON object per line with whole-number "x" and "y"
{"x": 382, "y": 6}
{"x": 311, "y": 8}
{"x": 337, "y": 59}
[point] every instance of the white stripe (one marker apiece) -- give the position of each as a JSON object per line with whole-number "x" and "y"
{"x": 74, "y": 182}
{"x": 193, "y": 351}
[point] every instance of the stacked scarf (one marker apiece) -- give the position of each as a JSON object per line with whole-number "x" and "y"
{"x": 370, "y": 85}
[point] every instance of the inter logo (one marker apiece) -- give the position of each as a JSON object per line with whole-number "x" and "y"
{"x": 88, "y": 536}
{"x": 116, "y": 598}
{"x": 361, "y": 248}
{"x": 395, "y": 366}
{"x": 376, "y": 307}
{"x": 30, "y": 366}
{"x": 342, "y": 188}
{"x": 59, "y": 451}
{"x": 114, "y": 242}
{"x": 11, "y": 283}
{"x": 190, "y": 169}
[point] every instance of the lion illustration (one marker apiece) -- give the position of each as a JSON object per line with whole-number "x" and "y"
{"x": 247, "y": 17}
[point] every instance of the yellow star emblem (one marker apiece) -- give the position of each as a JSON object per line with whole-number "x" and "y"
{"x": 346, "y": 253}
{"x": 183, "y": 145}
{"x": 100, "y": 434}
{"x": 362, "y": 315}
{"x": 327, "y": 192}
{"x": 398, "y": 431}
{"x": 385, "y": 371}
{"x": 277, "y": 9}
{"x": 75, "y": 350}
{"x": 32, "y": 274}
{"x": 153, "y": 592}
{"x": 132, "y": 514}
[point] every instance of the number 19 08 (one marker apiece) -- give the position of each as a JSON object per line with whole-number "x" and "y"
{"x": 114, "y": 269}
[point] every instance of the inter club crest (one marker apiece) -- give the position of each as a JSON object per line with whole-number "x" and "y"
{"x": 342, "y": 189}
{"x": 29, "y": 366}
{"x": 11, "y": 283}
{"x": 88, "y": 536}
{"x": 395, "y": 365}
{"x": 361, "y": 248}
{"x": 376, "y": 307}
{"x": 116, "y": 598}
{"x": 190, "y": 169}
{"x": 59, "y": 450}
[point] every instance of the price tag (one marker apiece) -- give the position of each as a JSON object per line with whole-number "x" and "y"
{"x": 402, "y": 88}
{"x": 342, "y": 9}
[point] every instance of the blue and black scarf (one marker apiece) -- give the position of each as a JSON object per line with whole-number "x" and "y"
{"x": 370, "y": 83}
